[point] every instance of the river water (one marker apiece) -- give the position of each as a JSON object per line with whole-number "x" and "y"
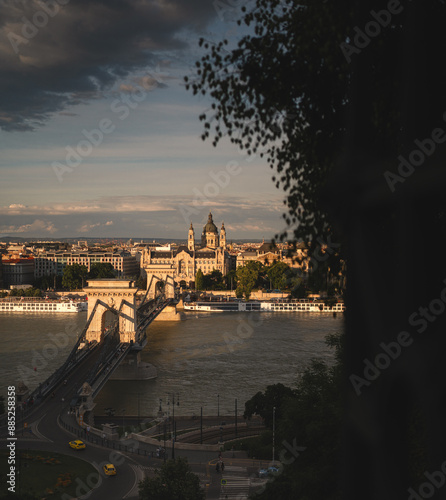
{"x": 206, "y": 361}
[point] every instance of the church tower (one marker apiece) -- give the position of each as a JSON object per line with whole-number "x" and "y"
{"x": 191, "y": 239}
{"x": 223, "y": 236}
{"x": 209, "y": 236}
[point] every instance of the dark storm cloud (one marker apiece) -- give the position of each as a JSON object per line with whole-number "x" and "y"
{"x": 56, "y": 53}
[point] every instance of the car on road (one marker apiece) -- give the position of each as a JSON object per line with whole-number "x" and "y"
{"x": 263, "y": 473}
{"x": 270, "y": 471}
{"x": 109, "y": 470}
{"x": 77, "y": 444}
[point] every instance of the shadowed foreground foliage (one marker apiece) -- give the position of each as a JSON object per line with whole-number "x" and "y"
{"x": 173, "y": 481}
{"x": 308, "y": 430}
{"x": 309, "y": 423}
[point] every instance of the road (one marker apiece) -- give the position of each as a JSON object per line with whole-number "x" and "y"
{"x": 47, "y": 431}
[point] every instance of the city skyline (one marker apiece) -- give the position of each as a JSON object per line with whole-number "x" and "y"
{"x": 100, "y": 137}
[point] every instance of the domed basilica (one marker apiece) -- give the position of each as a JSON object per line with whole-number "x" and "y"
{"x": 183, "y": 262}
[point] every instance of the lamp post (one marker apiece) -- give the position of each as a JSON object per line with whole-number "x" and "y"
{"x": 173, "y": 436}
{"x": 274, "y": 431}
{"x": 164, "y": 454}
{"x": 218, "y": 405}
{"x": 201, "y": 425}
{"x": 236, "y": 417}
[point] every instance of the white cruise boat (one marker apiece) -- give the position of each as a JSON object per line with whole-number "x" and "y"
{"x": 270, "y": 305}
{"x": 42, "y": 306}
{"x": 223, "y": 306}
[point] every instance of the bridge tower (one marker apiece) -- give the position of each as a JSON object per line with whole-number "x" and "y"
{"x": 119, "y": 295}
{"x": 160, "y": 275}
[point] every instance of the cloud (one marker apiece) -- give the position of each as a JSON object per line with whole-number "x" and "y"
{"x": 85, "y": 228}
{"x": 37, "y": 227}
{"x": 146, "y": 217}
{"x": 54, "y": 59}
{"x": 141, "y": 203}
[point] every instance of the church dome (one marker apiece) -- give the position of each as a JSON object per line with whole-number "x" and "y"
{"x": 210, "y": 227}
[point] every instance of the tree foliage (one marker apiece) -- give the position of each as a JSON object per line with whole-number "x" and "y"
{"x": 25, "y": 292}
{"x": 173, "y": 480}
{"x": 287, "y": 91}
{"x": 262, "y": 403}
{"x": 282, "y": 94}
{"x": 74, "y": 276}
{"x": 247, "y": 277}
{"x": 199, "y": 280}
{"x": 308, "y": 421}
{"x": 48, "y": 281}
{"x": 101, "y": 270}
{"x": 279, "y": 274}
{"x": 213, "y": 281}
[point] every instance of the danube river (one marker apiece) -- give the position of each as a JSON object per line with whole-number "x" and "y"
{"x": 206, "y": 361}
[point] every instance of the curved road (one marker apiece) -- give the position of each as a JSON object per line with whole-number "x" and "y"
{"x": 43, "y": 420}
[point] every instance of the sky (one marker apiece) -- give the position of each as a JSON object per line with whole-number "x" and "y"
{"x": 99, "y": 137}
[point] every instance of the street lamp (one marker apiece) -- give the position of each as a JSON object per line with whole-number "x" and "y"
{"x": 236, "y": 417}
{"x": 274, "y": 430}
{"x": 164, "y": 454}
{"x": 173, "y": 427}
{"x": 123, "y": 411}
{"x": 201, "y": 425}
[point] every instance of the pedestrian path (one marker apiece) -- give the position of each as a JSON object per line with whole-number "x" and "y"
{"x": 235, "y": 483}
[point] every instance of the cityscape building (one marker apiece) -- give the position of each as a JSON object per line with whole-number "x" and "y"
{"x": 184, "y": 261}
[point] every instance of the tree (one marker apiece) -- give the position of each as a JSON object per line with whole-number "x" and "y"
{"x": 353, "y": 145}
{"x": 48, "y": 281}
{"x": 214, "y": 281}
{"x": 74, "y": 276}
{"x": 262, "y": 403}
{"x": 308, "y": 426}
{"x": 141, "y": 282}
{"x": 231, "y": 279}
{"x": 247, "y": 277}
{"x": 101, "y": 270}
{"x": 279, "y": 274}
{"x": 174, "y": 480}
{"x": 199, "y": 280}
{"x": 25, "y": 292}
{"x": 272, "y": 102}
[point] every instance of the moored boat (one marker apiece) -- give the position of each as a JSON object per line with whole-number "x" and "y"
{"x": 42, "y": 305}
{"x": 269, "y": 305}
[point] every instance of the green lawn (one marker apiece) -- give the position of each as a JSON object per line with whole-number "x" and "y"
{"x": 49, "y": 475}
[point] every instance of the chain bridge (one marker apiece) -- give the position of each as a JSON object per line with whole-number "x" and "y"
{"x": 100, "y": 349}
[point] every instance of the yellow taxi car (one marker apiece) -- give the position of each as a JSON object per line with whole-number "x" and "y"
{"x": 109, "y": 470}
{"x": 77, "y": 444}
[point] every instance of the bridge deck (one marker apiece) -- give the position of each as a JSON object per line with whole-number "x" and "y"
{"x": 102, "y": 358}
